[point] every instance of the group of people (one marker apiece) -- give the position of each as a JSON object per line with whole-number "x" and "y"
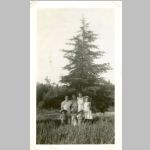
{"x": 76, "y": 111}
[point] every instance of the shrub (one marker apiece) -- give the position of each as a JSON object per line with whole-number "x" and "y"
{"x": 50, "y": 96}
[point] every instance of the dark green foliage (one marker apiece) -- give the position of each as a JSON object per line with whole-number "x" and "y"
{"x": 41, "y": 90}
{"x": 102, "y": 96}
{"x": 83, "y": 72}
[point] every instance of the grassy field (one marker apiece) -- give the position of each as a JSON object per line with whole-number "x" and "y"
{"x": 49, "y": 131}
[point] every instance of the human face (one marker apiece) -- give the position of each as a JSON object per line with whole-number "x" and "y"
{"x": 73, "y": 97}
{"x": 86, "y": 99}
{"x": 66, "y": 98}
{"x": 63, "y": 113}
{"x": 80, "y": 94}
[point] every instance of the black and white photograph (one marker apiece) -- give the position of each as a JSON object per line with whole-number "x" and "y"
{"x": 75, "y": 74}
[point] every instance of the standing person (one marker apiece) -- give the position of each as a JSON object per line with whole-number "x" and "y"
{"x": 80, "y": 117}
{"x": 74, "y": 110}
{"x": 66, "y": 105}
{"x": 63, "y": 117}
{"x": 87, "y": 110}
{"x": 80, "y": 101}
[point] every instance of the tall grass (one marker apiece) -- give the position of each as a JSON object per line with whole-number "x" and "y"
{"x": 99, "y": 132}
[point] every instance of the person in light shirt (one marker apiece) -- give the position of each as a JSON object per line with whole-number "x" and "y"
{"x": 74, "y": 110}
{"x": 66, "y": 105}
{"x": 80, "y": 102}
{"x": 87, "y": 109}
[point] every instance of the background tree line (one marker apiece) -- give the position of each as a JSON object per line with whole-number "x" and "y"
{"x": 50, "y": 95}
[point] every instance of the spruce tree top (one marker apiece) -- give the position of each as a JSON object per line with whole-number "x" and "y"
{"x": 83, "y": 72}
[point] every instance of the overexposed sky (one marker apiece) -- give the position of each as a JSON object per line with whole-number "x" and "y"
{"x": 56, "y": 26}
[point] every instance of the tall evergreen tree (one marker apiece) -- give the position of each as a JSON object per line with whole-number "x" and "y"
{"x": 83, "y": 71}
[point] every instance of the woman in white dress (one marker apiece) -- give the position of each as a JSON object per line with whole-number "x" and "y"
{"x": 87, "y": 109}
{"x": 80, "y": 114}
{"x": 80, "y": 102}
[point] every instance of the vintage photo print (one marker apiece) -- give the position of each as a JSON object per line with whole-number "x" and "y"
{"x": 75, "y": 75}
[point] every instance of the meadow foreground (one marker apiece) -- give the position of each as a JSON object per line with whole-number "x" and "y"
{"x": 101, "y": 131}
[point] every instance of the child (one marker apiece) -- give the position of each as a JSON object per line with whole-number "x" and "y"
{"x": 87, "y": 110}
{"x": 63, "y": 117}
{"x": 74, "y": 119}
{"x": 80, "y": 117}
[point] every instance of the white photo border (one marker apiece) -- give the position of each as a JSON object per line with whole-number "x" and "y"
{"x": 117, "y": 5}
